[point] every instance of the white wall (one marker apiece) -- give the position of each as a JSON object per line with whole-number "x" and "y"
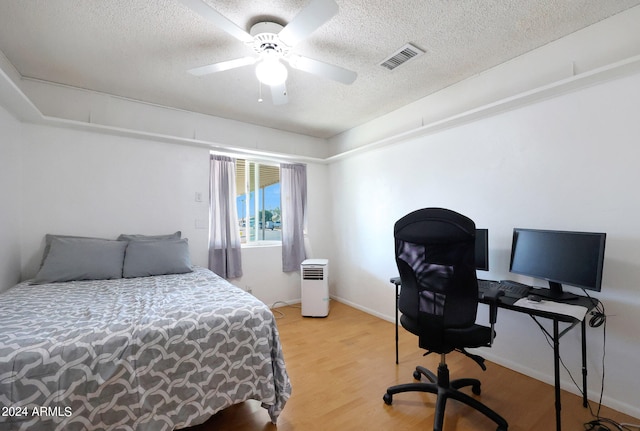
{"x": 566, "y": 163}
{"x": 10, "y": 199}
{"x": 83, "y": 108}
{"x": 82, "y": 183}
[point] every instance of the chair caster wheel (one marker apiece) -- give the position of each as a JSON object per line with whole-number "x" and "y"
{"x": 417, "y": 375}
{"x": 387, "y": 398}
{"x": 476, "y": 391}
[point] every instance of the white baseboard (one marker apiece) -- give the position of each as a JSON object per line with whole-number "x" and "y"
{"x": 391, "y": 319}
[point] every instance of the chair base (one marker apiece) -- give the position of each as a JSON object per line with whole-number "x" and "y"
{"x": 445, "y": 389}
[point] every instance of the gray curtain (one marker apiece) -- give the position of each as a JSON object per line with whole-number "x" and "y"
{"x": 224, "y": 236}
{"x": 293, "y": 195}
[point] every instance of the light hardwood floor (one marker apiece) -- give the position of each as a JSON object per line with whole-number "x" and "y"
{"x": 341, "y": 365}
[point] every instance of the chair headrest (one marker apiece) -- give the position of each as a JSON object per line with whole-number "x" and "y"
{"x": 434, "y": 225}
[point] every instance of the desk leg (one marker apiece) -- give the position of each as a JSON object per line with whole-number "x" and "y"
{"x": 556, "y": 369}
{"x": 397, "y": 324}
{"x": 584, "y": 365}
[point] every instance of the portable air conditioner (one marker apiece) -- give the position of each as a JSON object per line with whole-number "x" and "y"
{"x": 315, "y": 287}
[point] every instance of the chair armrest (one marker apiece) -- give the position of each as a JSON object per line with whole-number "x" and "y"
{"x": 491, "y": 296}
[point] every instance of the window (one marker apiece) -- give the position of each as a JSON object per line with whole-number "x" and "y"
{"x": 258, "y": 201}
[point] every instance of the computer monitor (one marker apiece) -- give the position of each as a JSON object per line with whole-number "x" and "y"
{"x": 482, "y": 249}
{"x": 560, "y": 257}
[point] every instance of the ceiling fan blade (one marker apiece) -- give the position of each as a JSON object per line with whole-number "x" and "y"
{"x": 212, "y": 15}
{"x": 225, "y": 65}
{"x": 279, "y": 94}
{"x": 316, "y": 13}
{"x": 323, "y": 69}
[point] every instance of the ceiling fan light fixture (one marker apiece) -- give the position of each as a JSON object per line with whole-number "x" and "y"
{"x": 271, "y": 72}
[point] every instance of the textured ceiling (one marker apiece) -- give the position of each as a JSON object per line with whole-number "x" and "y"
{"x": 141, "y": 49}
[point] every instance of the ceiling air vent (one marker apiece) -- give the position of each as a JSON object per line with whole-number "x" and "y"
{"x": 401, "y": 56}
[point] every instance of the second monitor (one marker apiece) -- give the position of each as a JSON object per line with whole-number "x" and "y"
{"x": 482, "y": 249}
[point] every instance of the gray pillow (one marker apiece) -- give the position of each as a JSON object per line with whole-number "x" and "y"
{"x": 138, "y": 237}
{"x": 74, "y": 258}
{"x": 47, "y": 243}
{"x": 156, "y": 257}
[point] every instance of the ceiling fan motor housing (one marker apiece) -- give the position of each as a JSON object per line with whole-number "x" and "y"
{"x": 266, "y": 40}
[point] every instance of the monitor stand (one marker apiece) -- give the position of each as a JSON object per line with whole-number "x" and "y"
{"x": 555, "y": 292}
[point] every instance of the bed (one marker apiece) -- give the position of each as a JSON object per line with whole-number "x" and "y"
{"x": 157, "y": 352}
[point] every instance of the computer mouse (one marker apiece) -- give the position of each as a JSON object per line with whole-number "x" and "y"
{"x": 534, "y": 298}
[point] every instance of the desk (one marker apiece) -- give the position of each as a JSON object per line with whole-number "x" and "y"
{"x": 508, "y": 303}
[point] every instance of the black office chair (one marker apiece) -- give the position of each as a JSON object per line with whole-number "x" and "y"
{"x": 439, "y": 300}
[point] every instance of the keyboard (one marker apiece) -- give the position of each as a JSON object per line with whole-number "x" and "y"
{"x": 511, "y": 289}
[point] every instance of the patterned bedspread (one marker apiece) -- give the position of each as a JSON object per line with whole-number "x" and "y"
{"x": 150, "y": 353}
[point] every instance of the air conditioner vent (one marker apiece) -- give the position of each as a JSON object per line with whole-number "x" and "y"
{"x": 313, "y": 273}
{"x": 401, "y": 56}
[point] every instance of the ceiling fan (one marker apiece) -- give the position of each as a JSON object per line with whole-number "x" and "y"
{"x": 273, "y": 43}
